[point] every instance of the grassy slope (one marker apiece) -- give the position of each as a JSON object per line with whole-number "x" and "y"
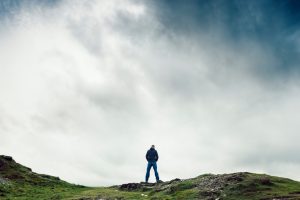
{"x": 19, "y": 182}
{"x": 246, "y": 186}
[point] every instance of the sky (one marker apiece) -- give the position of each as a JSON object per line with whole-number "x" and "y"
{"x": 88, "y": 86}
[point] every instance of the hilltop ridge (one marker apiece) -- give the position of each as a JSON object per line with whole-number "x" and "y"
{"x": 10, "y": 170}
{"x": 20, "y": 182}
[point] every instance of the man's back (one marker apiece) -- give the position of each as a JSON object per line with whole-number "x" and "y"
{"x": 152, "y": 155}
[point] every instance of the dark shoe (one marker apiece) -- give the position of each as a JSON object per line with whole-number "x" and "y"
{"x": 159, "y": 181}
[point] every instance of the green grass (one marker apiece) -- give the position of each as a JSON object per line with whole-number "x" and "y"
{"x": 28, "y": 191}
{"x": 250, "y": 188}
{"x": 20, "y": 183}
{"x": 253, "y": 189}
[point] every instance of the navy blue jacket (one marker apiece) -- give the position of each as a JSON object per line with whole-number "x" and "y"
{"x": 152, "y": 155}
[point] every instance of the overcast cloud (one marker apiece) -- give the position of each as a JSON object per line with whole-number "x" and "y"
{"x": 87, "y": 87}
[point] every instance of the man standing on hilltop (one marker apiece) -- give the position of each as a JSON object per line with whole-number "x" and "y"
{"x": 152, "y": 157}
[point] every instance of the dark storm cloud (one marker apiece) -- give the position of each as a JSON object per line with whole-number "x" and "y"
{"x": 258, "y": 19}
{"x": 8, "y": 8}
{"x": 272, "y": 24}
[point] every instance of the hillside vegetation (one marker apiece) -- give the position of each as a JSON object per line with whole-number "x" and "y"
{"x": 19, "y": 182}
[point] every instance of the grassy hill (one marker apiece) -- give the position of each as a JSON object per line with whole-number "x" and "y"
{"x": 19, "y": 182}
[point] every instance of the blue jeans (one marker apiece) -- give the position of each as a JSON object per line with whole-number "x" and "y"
{"x": 152, "y": 164}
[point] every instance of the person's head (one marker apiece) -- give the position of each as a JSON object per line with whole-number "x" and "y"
{"x": 152, "y": 146}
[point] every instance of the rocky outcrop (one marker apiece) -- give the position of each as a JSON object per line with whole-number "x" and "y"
{"x": 212, "y": 187}
{"x": 143, "y": 186}
{"x": 3, "y": 181}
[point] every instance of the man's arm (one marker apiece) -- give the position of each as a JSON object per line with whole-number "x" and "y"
{"x": 156, "y": 156}
{"x": 147, "y": 155}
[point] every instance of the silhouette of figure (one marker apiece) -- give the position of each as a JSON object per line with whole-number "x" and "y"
{"x": 152, "y": 157}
